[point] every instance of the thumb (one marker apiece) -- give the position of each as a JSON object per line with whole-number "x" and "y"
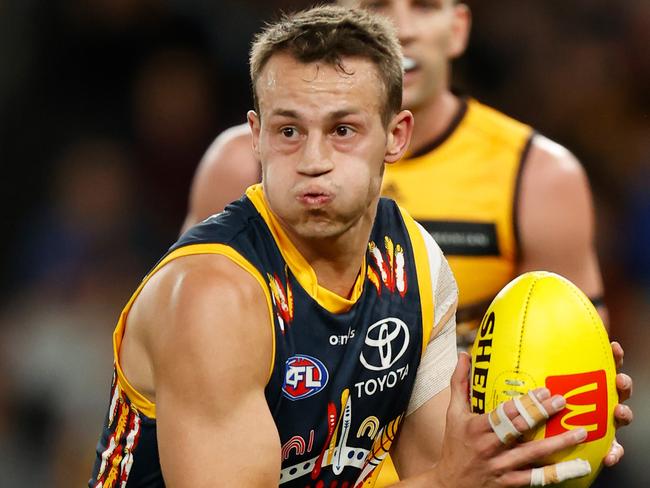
{"x": 460, "y": 383}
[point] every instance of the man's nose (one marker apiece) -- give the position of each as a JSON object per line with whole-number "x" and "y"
{"x": 316, "y": 157}
{"x": 401, "y": 17}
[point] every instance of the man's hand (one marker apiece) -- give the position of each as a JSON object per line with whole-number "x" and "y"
{"x": 623, "y": 414}
{"x": 473, "y": 455}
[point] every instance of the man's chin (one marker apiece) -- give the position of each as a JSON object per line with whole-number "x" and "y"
{"x": 320, "y": 229}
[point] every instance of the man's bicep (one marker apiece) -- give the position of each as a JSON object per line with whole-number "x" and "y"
{"x": 556, "y": 218}
{"x": 210, "y": 405}
{"x": 198, "y": 448}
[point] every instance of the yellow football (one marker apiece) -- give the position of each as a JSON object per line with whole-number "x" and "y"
{"x": 541, "y": 330}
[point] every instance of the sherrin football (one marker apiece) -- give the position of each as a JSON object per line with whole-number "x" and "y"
{"x": 542, "y": 331}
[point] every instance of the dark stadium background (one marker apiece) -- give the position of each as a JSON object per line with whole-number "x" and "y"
{"x": 107, "y": 105}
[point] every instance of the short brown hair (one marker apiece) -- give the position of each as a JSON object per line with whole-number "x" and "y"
{"x": 329, "y": 33}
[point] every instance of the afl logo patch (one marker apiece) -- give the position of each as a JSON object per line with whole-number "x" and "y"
{"x": 304, "y": 377}
{"x": 386, "y": 342}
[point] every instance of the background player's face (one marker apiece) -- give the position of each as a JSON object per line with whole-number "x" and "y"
{"x": 322, "y": 142}
{"x": 432, "y": 32}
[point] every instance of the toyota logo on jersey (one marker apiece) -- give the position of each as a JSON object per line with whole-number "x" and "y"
{"x": 386, "y": 341}
{"x": 304, "y": 377}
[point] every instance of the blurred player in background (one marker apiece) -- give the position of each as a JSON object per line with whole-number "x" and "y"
{"x": 499, "y": 198}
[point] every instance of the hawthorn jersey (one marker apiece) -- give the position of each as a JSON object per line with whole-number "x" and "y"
{"x": 463, "y": 189}
{"x": 343, "y": 368}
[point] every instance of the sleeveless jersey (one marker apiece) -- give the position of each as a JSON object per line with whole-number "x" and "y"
{"x": 463, "y": 189}
{"x": 343, "y": 369}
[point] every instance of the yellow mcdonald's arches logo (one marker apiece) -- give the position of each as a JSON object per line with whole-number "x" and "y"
{"x": 575, "y": 410}
{"x": 586, "y": 403}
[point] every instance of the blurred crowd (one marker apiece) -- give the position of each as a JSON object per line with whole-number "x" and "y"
{"x": 106, "y": 107}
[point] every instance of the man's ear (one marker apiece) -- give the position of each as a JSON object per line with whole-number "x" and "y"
{"x": 399, "y": 136}
{"x": 255, "y": 125}
{"x": 460, "y": 30}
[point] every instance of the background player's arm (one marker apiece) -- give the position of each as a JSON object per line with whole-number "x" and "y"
{"x": 211, "y": 357}
{"x": 556, "y": 218}
{"x": 226, "y": 170}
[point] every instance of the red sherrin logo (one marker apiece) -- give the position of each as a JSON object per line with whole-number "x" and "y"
{"x": 586, "y": 404}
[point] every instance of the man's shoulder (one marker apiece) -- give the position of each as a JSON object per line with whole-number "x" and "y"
{"x": 230, "y": 161}
{"x": 237, "y": 137}
{"x": 489, "y": 122}
{"x": 552, "y": 167}
{"x": 221, "y": 227}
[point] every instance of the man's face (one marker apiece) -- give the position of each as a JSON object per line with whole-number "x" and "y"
{"x": 431, "y": 32}
{"x": 321, "y": 141}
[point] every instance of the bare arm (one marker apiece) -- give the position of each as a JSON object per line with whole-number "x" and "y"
{"x": 419, "y": 444}
{"x": 211, "y": 353}
{"x": 556, "y": 218}
{"x": 226, "y": 170}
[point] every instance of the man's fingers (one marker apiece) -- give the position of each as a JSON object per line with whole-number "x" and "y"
{"x": 530, "y": 408}
{"x": 529, "y": 452}
{"x": 557, "y": 473}
{"x": 623, "y": 415}
{"x": 619, "y": 354}
{"x": 522, "y": 414}
{"x": 503, "y": 426}
{"x": 624, "y": 386}
{"x": 614, "y": 455}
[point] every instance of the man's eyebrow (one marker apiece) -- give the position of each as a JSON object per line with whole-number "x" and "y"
{"x": 285, "y": 113}
{"x": 339, "y": 114}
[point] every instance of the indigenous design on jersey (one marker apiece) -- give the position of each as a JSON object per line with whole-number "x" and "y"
{"x": 338, "y": 453}
{"x": 463, "y": 189}
{"x": 380, "y": 449}
{"x": 298, "y": 444}
{"x": 389, "y": 267}
{"x": 122, "y": 434}
{"x": 282, "y": 298}
{"x": 343, "y": 368}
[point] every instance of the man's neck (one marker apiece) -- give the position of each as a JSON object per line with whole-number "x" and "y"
{"x": 337, "y": 261}
{"x": 433, "y": 119}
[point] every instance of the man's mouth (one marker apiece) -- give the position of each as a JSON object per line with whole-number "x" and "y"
{"x": 314, "y": 198}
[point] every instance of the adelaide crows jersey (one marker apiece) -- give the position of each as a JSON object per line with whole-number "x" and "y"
{"x": 343, "y": 368}
{"x": 463, "y": 189}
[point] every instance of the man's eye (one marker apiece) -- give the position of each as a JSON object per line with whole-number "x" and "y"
{"x": 428, "y": 4}
{"x": 288, "y": 132}
{"x": 343, "y": 131}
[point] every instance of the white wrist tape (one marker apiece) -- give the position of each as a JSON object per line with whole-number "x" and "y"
{"x": 531, "y": 409}
{"x": 556, "y": 473}
{"x": 502, "y": 425}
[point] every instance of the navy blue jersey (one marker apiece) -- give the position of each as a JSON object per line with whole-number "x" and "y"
{"x": 343, "y": 368}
